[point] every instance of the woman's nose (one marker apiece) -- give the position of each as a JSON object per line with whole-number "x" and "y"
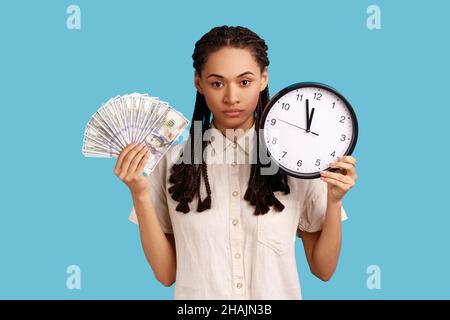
{"x": 231, "y": 95}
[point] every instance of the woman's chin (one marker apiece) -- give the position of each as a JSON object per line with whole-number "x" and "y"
{"x": 235, "y": 123}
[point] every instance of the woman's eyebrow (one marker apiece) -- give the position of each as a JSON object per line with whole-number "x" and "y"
{"x": 219, "y": 76}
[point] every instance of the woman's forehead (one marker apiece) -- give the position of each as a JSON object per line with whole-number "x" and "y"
{"x": 230, "y": 63}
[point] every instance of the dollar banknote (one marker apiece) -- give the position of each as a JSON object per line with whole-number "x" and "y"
{"x": 132, "y": 118}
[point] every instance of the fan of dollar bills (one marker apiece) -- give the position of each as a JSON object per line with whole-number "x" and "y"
{"x": 133, "y": 118}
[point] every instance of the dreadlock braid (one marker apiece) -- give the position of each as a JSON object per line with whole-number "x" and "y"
{"x": 186, "y": 177}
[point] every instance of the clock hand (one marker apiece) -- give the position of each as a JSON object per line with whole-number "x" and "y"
{"x": 297, "y": 126}
{"x": 311, "y": 118}
{"x": 307, "y": 115}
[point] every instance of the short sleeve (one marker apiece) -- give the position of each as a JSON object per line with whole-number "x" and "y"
{"x": 157, "y": 185}
{"x": 314, "y": 207}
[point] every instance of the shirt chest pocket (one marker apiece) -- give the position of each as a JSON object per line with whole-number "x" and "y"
{"x": 277, "y": 230}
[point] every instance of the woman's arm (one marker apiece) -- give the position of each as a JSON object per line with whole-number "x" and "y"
{"x": 159, "y": 248}
{"x": 322, "y": 248}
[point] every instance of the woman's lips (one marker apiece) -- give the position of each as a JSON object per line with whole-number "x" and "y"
{"x": 233, "y": 113}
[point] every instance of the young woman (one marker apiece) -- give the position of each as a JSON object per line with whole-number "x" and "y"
{"x": 238, "y": 242}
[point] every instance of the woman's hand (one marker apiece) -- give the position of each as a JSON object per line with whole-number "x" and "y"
{"x": 342, "y": 180}
{"x": 130, "y": 165}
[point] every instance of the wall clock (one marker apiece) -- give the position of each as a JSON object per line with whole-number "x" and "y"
{"x": 306, "y": 126}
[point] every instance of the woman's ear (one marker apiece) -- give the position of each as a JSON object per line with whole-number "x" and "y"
{"x": 197, "y": 82}
{"x": 264, "y": 79}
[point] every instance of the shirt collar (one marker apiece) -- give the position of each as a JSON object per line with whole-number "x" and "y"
{"x": 244, "y": 140}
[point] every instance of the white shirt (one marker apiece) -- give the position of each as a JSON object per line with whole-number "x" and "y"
{"x": 227, "y": 252}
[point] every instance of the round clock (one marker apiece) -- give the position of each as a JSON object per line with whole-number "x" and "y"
{"x": 306, "y": 126}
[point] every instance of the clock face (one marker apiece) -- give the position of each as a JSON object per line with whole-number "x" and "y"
{"x": 306, "y": 126}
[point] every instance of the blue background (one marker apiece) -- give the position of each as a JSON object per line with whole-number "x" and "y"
{"x": 58, "y": 208}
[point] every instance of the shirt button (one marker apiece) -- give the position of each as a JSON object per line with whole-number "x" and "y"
{"x": 235, "y": 222}
{"x": 235, "y": 193}
{"x": 234, "y": 145}
{"x": 237, "y": 255}
{"x": 239, "y": 285}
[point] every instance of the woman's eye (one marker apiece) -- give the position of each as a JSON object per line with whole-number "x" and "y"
{"x": 216, "y": 84}
{"x": 246, "y": 83}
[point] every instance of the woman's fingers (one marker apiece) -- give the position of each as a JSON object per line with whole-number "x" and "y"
{"x": 338, "y": 176}
{"x": 345, "y": 180}
{"x": 347, "y": 164}
{"x": 128, "y": 158}
{"x": 336, "y": 183}
{"x": 123, "y": 153}
{"x": 348, "y": 159}
{"x": 342, "y": 165}
{"x": 136, "y": 160}
{"x": 143, "y": 162}
{"x": 347, "y": 169}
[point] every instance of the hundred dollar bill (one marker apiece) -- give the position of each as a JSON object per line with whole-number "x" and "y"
{"x": 167, "y": 129}
{"x": 133, "y": 118}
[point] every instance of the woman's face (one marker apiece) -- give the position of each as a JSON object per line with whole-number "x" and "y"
{"x": 231, "y": 81}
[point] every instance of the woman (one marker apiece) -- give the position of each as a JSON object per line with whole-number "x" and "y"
{"x": 239, "y": 242}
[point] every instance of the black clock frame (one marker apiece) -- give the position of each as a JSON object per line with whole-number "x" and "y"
{"x": 296, "y": 86}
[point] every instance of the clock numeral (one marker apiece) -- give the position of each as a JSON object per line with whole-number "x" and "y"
{"x": 317, "y": 162}
{"x": 342, "y": 137}
{"x": 273, "y": 121}
{"x": 342, "y": 119}
{"x": 274, "y": 140}
{"x": 317, "y": 96}
{"x": 285, "y": 106}
{"x": 285, "y": 152}
{"x": 299, "y": 97}
{"x": 334, "y": 103}
{"x": 299, "y": 163}
{"x": 333, "y": 154}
